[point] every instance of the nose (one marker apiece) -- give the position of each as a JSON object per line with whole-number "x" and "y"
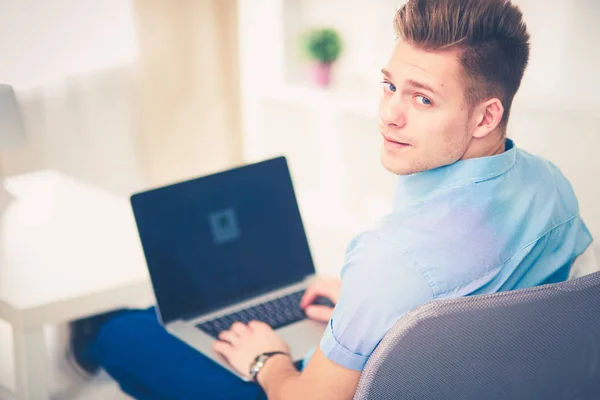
{"x": 392, "y": 112}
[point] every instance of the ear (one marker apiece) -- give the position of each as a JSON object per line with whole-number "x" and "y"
{"x": 487, "y": 117}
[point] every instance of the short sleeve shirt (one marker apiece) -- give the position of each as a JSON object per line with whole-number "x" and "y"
{"x": 478, "y": 226}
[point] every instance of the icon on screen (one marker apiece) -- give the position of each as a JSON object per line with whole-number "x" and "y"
{"x": 224, "y": 226}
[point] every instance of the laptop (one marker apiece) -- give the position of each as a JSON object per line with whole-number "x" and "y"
{"x": 228, "y": 247}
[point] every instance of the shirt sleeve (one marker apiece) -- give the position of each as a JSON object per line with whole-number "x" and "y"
{"x": 379, "y": 285}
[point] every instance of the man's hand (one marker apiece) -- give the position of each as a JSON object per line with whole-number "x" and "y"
{"x": 242, "y": 343}
{"x": 326, "y": 287}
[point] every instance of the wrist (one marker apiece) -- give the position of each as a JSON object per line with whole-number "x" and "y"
{"x": 275, "y": 365}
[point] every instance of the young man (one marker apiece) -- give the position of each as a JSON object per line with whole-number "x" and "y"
{"x": 473, "y": 214}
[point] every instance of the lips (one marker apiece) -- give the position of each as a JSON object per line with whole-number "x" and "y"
{"x": 395, "y": 141}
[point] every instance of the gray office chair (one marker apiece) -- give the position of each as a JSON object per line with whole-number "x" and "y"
{"x": 538, "y": 343}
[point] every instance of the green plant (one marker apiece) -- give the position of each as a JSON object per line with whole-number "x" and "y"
{"x": 324, "y": 45}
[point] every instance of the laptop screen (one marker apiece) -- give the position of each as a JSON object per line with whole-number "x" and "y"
{"x": 221, "y": 239}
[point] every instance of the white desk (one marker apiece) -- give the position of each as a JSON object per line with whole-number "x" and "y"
{"x": 67, "y": 250}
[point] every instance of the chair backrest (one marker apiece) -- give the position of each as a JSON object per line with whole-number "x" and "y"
{"x": 538, "y": 343}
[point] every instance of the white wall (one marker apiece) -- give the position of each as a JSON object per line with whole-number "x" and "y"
{"x": 71, "y": 63}
{"x": 43, "y": 42}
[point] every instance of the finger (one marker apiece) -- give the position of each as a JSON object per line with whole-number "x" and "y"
{"x": 223, "y": 348}
{"x": 228, "y": 336}
{"x": 326, "y": 287}
{"x": 239, "y": 328}
{"x": 319, "y": 313}
{"x": 258, "y": 325}
{"x": 311, "y": 294}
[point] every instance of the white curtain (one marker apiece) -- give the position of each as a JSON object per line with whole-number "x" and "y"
{"x": 189, "y": 121}
{"x": 172, "y": 114}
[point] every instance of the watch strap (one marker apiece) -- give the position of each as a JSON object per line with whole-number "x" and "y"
{"x": 260, "y": 360}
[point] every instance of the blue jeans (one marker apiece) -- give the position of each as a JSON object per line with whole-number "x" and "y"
{"x": 150, "y": 364}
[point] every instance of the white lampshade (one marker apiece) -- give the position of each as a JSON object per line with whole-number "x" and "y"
{"x": 12, "y": 132}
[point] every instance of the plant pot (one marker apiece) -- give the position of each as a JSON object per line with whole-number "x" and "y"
{"x": 321, "y": 74}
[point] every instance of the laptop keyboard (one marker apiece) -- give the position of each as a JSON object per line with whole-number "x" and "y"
{"x": 277, "y": 313}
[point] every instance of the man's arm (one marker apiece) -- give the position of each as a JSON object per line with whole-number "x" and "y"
{"x": 379, "y": 286}
{"x": 321, "y": 379}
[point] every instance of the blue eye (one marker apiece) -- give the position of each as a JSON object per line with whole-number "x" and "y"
{"x": 426, "y": 101}
{"x": 389, "y": 86}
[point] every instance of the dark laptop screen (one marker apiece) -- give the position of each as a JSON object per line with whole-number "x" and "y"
{"x": 223, "y": 238}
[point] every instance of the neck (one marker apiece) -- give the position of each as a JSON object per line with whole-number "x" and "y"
{"x": 491, "y": 145}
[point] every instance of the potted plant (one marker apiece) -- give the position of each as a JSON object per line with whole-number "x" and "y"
{"x": 324, "y": 47}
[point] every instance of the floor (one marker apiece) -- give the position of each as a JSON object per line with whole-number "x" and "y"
{"x": 100, "y": 388}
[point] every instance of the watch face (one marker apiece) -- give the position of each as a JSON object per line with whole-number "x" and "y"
{"x": 259, "y": 362}
{"x": 257, "y": 365}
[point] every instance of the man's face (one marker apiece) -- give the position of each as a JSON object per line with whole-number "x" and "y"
{"x": 424, "y": 116}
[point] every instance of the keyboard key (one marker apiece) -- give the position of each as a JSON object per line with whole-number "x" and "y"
{"x": 277, "y": 313}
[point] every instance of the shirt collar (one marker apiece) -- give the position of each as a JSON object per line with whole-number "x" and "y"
{"x": 416, "y": 188}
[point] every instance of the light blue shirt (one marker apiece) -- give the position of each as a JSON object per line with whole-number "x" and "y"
{"x": 477, "y": 226}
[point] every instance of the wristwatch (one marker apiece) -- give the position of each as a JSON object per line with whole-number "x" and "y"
{"x": 260, "y": 361}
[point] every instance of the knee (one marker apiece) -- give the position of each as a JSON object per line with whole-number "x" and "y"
{"x": 124, "y": 334}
